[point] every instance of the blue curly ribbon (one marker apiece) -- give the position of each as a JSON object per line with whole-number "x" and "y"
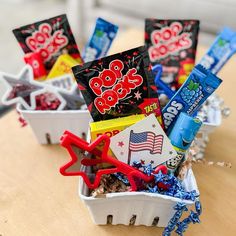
{"x": 175, "y": 190}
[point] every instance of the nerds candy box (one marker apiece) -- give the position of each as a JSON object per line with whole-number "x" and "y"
{"x": 48, "y": 37}
{"x": 101, "y": 40}
{"x": 172, "y": 43}
{"x": 200, "y": 84}
{"x": 220, "y": 51}
{"x": 119, "y": 85}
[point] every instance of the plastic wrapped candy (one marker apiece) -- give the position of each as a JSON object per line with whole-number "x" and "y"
{"x": 48, "y": 37}
{"x": 119, "y": 85}
{"x": 220, "y": 51}
{"x": 200, "y": 84}
{"x": 172, "y": 43}
{"x": 101, "y": 40}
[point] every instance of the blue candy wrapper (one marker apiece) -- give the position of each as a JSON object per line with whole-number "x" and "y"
{"x": 101, "y": 40}
{"x": 200, "y": 84}
{"x": 181, "y": 137}
{"x": 220, "y": 51}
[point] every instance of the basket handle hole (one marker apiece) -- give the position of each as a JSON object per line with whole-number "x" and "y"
{"x": 109, "y": 219}
{"x": 48, "y": 138}
{"x": 132, "y": 220}
{"x": 84, "y": 136}
{"x": 155, "y": 221}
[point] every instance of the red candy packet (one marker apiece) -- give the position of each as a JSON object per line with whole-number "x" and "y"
{"x": 48, "y": 37}
{"x": 172, "y": 43}
{"x": 119, "y": 85}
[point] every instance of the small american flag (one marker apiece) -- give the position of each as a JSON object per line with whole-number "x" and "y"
{"x": 146, "y": 141}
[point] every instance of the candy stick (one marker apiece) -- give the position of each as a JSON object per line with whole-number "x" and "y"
{"x": 221, "y": 50}
{"x": 101, "y": 40}
{"x": 200, "y": 84}
{"x": 181, "y": 137}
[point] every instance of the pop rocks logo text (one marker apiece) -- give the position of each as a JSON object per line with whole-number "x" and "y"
{"x": 168, "y": 40}
{"x": 45, "y": 42}
{"x": 111, "y": 85}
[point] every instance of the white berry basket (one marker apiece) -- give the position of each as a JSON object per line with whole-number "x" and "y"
{"x": 142, "y": 208}
{"x": 48, "y": 126}
{"x": 134, "y": 208}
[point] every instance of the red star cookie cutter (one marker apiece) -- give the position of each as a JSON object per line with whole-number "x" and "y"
{"x": 68, "y": 140}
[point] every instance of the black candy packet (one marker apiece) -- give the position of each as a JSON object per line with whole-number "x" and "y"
{"x": 172, "y": 43}
{"x": 50, "y": 38}
{"x": 119, "y": 85}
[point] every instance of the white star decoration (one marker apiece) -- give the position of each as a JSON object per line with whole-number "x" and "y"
{"x": 25, "y": 77}
{"x": 73, "y": 97}
{"x": 138, "y": 95}
{"x": 68, "y": 89}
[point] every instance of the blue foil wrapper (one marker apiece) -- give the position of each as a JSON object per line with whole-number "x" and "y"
{"x": 101, "y": 40}
{"x": 200, "y": 84}
{"x": 181, "y": 137}
{"x": 220, "y": 51}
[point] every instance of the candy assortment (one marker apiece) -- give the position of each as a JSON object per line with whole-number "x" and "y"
{"x": 153, "y": 155}
{"x": 149, "y": 106}
{"x": 50, "y": 53}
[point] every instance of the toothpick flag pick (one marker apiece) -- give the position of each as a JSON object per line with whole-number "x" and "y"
{"x": 144, "y": 140}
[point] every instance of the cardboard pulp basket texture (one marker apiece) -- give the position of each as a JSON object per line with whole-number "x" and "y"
{"x": 134, "y": 208}
{"x": 48, "y": 126}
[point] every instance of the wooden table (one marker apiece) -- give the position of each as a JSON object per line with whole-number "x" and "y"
{"x": 36, "y": 200}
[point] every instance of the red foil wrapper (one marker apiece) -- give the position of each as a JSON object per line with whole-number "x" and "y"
{"x": 35, "y": 60}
